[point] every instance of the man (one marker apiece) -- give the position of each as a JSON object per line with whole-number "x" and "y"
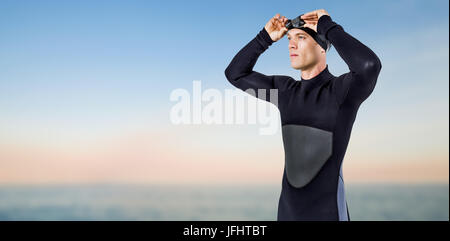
{"x": 317, "y": 112}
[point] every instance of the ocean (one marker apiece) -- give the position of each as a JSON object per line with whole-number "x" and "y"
{"x": 192, "y": 203}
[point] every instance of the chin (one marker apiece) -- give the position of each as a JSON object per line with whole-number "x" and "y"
{"x": 296, "y": 66}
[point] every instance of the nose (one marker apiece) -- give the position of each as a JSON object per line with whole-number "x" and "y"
{"x": 292, "y": 44}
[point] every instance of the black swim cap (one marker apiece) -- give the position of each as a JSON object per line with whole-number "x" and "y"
{"x": 319, "y": 38}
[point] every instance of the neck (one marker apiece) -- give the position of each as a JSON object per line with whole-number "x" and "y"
{"x": 313, "y": 71}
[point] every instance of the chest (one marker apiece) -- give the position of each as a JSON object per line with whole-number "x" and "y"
{"x": 313, "y": 107}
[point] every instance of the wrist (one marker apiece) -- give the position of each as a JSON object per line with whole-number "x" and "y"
{"x": 266, "y": 36}
{"x": 324, "y": 24}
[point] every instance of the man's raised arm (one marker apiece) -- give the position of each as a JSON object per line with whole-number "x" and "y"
{"x": 240, "y": 71}
{"x": 363, "y": 63}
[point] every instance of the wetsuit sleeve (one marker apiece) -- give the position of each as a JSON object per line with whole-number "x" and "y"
{"x": 240, "y": 71}
{"x": 363, "y": 63}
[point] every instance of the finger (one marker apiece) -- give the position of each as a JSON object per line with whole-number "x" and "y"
{"x": 311, "y": 21}
{"x": 309, "y": 15}
{"x": 277, "y": 21}
{"x": 274, "y": 20}
{"x": 311, "y": 18}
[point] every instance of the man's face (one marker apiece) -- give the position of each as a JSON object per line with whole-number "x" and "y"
{"x": 304, "y": 51}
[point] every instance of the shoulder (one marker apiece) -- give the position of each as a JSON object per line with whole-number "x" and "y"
{"x": 284, "y": 82}
{"x": 340, "y": 86}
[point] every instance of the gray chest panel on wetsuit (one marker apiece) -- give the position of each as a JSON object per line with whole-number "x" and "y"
{"x": 306, "y": 151}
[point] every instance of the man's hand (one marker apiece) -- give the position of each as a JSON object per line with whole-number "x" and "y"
{"x": 276, "y": 27}
{"x": 312, "y": 18}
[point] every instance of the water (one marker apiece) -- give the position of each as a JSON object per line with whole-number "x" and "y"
{"x": 169, "y": 202}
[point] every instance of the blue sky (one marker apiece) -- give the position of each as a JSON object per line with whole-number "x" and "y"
{"x": 101, "y": 43}
{"x": 86, "y": 66}
{"x": 135, "y": 47}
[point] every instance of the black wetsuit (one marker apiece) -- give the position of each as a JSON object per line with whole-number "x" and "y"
{"x": 317, "y": 116}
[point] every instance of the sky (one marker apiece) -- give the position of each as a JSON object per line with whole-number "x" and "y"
{"x": 85, "y": 89}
